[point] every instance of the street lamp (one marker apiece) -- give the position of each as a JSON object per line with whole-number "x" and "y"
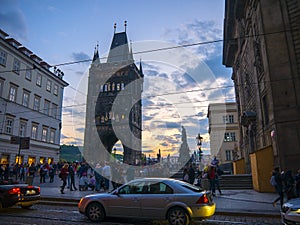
{"x": 199, "y": 144}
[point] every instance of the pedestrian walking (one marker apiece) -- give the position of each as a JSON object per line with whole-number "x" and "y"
{"x": 211, "y": 175}
{"x": 72, "y": 178}
{"x": 31, "y": 174}
{"x": 63, "y": 176}
{"x": 106, "y": 170}
{"x": 51, "y": 173}
{"x": 276, "y": 182}
{"x": 191, "y": 173}
{"x": 289, "y": 185}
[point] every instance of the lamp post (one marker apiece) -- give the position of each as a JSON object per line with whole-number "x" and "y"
{"x": 199, "y": 144}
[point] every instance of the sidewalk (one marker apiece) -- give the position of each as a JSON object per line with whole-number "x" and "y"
{"x": 232, "y": 202}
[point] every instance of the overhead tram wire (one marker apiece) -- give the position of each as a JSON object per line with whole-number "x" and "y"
{"x": 168, "y": 48}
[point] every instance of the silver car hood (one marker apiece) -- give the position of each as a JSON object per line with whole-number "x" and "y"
{"x": 293, "y": 203}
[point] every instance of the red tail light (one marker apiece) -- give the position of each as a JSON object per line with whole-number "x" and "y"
{"x": 203, "y": 200}
{"x": 14, "y": 191}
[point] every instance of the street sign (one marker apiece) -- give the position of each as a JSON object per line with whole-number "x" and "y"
{"x": 25, "y": 142}
{"x": 15, "y": 140}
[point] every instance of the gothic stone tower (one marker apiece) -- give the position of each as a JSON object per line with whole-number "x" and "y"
{"x": 114, "y": 108}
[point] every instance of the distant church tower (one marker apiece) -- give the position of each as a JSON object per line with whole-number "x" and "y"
{"x": 114, "y": 107}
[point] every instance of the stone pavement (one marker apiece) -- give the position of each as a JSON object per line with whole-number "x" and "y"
{"x": 231, "y": 202}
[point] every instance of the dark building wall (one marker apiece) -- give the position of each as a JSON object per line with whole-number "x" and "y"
{"x": 262, "y": 45}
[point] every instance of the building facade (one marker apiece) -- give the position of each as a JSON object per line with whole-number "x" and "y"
{"x": 114, "y": 107}
{"x": 30, "y": 105}
{"x": 224, "y": 131}
{"x": 262, "y": 45}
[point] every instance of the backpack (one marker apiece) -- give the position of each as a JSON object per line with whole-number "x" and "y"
{"x": 273, "y": 181}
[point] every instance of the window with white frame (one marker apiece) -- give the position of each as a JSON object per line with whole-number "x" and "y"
{"x": 36, "y": 103}
{"x": 54, "y": 110}
{"x": 229, "y": 136}
{"x": 39, "y": 79}
{"x": 12, "y": 93}
{"x": 3, "y": 56}
{"x": 52, "y": 136}
{"x": 228, "y": 119}
{"x": 34, "y": 131}
{"x": 44, "y": 134}
{"x": 229, "y": 155}
{"x": 47, "y": 107}
{"x": 25, "y": 99}
{"x": 28, "y": 73}
{"x": 55, "y": 89}
{"x": 16, "y": 66}
{"x": 22, "y": 130}
{"x": 9, "y": 124}
{"x": 48, "y": 86}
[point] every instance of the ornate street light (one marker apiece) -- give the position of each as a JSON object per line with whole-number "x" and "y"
{"x": 199, "y": 144}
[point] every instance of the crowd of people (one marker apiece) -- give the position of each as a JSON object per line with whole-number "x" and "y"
{"x": 286, "y": 185}
{"x": 211, "y": 172}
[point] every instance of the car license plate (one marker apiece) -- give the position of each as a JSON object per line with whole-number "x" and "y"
{"x": 30, "y": 192}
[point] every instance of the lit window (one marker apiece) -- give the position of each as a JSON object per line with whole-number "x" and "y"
{"x": 229, "y": 136}
{"x": 12, "y": 93}
{"x": 34, "y": 130}
{"x": 39, "y": 79}
{"x": 16, "y": 66}
{"x": 3, "y": 56}
{"x": 52, "y": 136}
{"x": 44, "y": 134}
{"x": 9, "y": 125}
{"x": 36, "y": 104}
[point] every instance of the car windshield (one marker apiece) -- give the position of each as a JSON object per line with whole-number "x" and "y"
{"x": 189, "y": 186}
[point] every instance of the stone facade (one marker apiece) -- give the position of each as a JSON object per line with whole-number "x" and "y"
{"x": 262, "y": 45}
{"x": 114, "y": 108}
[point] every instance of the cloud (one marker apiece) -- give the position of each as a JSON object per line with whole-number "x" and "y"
{"x": 80, "y": 56}
{"x": 12, "y": 20}
{"x": 201, "y": 32}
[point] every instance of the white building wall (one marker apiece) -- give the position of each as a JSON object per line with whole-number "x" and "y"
{"x": 39, "y": 149}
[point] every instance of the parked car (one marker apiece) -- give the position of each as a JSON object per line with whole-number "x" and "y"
{"x": 151, "y": 198}
{"x": 18, "y": 194}
{"x": 290, "y": 213}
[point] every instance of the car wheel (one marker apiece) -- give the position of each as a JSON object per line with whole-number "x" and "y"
{"x": 95, "y": 212}
{"x": 178, "y": 216}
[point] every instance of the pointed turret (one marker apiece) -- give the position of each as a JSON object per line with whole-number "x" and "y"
{"x": 119, "y": 49}
{"x": 96, "y": 53}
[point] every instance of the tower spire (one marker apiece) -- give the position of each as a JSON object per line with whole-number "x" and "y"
{"x": 96, "y": 52}
{"x": 115, "y": 27}
{"x": 125, "y": 24}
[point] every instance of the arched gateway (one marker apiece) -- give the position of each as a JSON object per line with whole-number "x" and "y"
{"x": 114, "y": 108}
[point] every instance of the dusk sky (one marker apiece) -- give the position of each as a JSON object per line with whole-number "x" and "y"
{"x": 179, "y": 83}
